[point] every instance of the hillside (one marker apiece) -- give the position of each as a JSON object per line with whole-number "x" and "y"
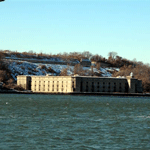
{"x": 15, "y": 63}
{"x": 28, "y": 68}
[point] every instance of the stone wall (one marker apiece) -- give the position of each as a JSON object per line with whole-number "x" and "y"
{"x": 24, "y": 81}
{"x": 102, "y": 84}
{"x": 81, "y": 84}
{"x": 52, "y": 84}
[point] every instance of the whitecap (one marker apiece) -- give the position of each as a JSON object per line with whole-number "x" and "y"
{"x": 141, "y": 116}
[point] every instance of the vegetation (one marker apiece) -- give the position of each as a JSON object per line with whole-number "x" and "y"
{"x": 5, "y": 75}
{"x": 4, "y": 71}
{"x": 9, "y": 84}
{"x": 140, "y": 71}
{"x": 64, "y": 72}
{"x": 50, "y": 70}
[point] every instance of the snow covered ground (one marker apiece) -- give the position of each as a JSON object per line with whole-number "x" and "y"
{"x": 28, "y": 68}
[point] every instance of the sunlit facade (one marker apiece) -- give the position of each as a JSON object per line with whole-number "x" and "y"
{"x": 79, "y": 84}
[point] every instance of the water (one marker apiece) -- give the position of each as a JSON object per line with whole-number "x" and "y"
{"x": 64, "y": 122}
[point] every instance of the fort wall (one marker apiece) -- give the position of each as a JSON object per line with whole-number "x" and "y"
{"x": 53, "y": 84}
{"x": 79, "y": 84}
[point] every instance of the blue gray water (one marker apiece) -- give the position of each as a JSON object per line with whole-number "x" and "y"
{"x": 64, "y": 122}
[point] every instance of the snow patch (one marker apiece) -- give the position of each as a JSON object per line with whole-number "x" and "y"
{"x": 28, "y": 68}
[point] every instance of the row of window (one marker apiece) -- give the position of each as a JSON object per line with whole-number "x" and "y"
{"x": 103, "y": 83}
{"x": 50, "y": 84}
{"x": 103, "y": 88}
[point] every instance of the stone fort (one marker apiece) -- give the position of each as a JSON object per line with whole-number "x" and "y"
{"x": 79, "y": 84}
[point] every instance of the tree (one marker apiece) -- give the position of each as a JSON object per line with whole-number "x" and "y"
{"x": 78, "y": 69}
{"x": 1, "y": 56}
{"x": 2, "y": 75}
{"x": 92, "y": 72}
{"x": 98, "y": 65}
{"x": 140, "y": 71}
{"x": 112, "y": 55}
{"x": 87, "y": 54}
{"x": 64, "y": 72}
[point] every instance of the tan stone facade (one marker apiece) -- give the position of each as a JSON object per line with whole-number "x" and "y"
{"x": 52, "y": 84}
{"x": 79, "y": 84}
{"x": 24, "y": 81}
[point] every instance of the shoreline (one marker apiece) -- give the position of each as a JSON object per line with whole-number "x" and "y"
{"x": 80, "y": 94}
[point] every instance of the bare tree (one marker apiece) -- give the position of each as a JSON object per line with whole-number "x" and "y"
{"x": 78, "y": 69}
{"x": 98, "y": 65}
{"x": 87, "y": 54}
{"x": 112, "y": 55}
{"x": 92, "y": 72}
{"x": 64, "y": 72}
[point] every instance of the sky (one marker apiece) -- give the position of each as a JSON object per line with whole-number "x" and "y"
{"x": 58, "y": 26}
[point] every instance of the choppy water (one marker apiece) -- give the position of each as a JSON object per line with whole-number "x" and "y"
{"x": 64, "y": 122}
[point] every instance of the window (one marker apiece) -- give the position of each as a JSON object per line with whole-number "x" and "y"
{"x": 97, "y": 86}
{"x": 92, "y": 86}
{"x": 86, "y": 87}
{"x": 114, "y": 87}
{"x": 48, "y": 86}
{"x": 57, "y": 85}
{"x": 44, "y": 86}
{"x": 109, "y": 87}
{"x": 103, "y": 85}
{"x": 81, "y": 86}
{"x": 35, "y": 86}
{"x": 39, "y": 85}
{"x": 126, "y": 87}
{"x": 119, "y": 87}
{"x": 135, "y": 88}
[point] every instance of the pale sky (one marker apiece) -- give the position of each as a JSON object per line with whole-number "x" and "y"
{"x": 57, "y": 26}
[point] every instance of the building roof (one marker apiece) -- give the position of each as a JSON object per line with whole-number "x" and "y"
{"x": 122, "y": 78}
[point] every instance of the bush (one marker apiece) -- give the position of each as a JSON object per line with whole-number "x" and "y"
{"x": 10, "y": 85}
{"x": 2, "y": 75}
{"x": 64, "y": 72}
{"x": 10, "y": 81}
{"x": 18, "y": 87}
{"x": 43, "y": 72}
{"x": 35, "y": 70}
{"x": 50, "y": 70}
{"x": 43, "y": 67}
{"x": 19, "y": 63}
{"x": 22, "y": 67}
{"x": 29, "y": 72}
